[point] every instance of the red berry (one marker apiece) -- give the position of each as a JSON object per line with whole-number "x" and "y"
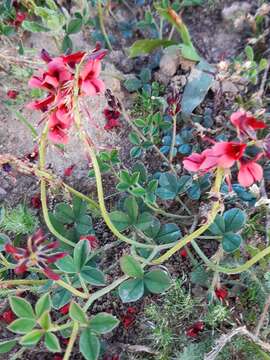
{"x": 12, "y": 94}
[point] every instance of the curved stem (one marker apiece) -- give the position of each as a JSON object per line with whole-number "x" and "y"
{"x": 43, "y": 195}
{"x": 22, "y": 282}
{"x": 102, "y": 26}
{"x": 201, "y": 229}
{"x": 72, "y": 289}
{"x": 72, "y": 340}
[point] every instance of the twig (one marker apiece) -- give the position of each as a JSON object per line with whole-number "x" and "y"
{"x": 263, "y": 316}
{"x": 264, "y": 79}
{"x": 224, "y": 339}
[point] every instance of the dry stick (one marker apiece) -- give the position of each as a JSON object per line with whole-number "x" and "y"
{"x": 264, "y": 79}
{"x": 263, "y": 316}
{"x": 224, "y": 339}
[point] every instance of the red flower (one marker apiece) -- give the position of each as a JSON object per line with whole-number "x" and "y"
{"x": 12, "y": 94}
{"x": 36, "y": 202}
{"x": 69, "y": 170}
{"x": 93, "y": 241}
{"x": 112, "y": 117}
{"x": 36, "y": 254}
{"x": 132, "y": 310}
{"x": 58, "y": 80}
{"x": 64, "y": 309}
{"x": 249, "y": 172}
{"x": 246, "y": 123}
{"x": 8, "y": 316}
{"x": 221, "y": 293}
{"x": 195, "y": 329}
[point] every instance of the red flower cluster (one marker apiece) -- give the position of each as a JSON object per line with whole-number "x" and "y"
{"x": 226, "y": 153}
{"x": 58, "y": 81}
{"x": 19, "y": 18}
{"x": 37, "y": 254}
{"x": 195, "y": 329}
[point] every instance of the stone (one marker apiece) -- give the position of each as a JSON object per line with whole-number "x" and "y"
{"x": 235, "y": 10}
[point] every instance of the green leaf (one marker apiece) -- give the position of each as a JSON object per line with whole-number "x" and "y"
{"x": 43, "y": 304}
{"x": 134, "y": 138}
{"x": 66, "y": 265}
{"x": 89, "y": 345}
{"x": 146, "y": 46}
{"x": 22, "y": 325}
{"x": 52, "y": 342}
{"x": 136, "y": 152}
{"x": 218, "y": 226}
{"x": 45, "y": 320}
{"x": 79, "y": 207}
{"x": 168, "y": 186}
{"x": 144, "y": 221}
{"x": 133, "y": 84}
{"x": 131, "y": 290}
{"x": 131, "y": 267}
{"x": 234, "y": 219}
{"x": 199, "y": 82}
{"x": 60, "y": 298}
{"x": 103, "y": 323}
{"x": 168, "y": 233}
{"x": 31, "y": 338}
{"x": 81, "y": 252}
{"x": 189, "y": 52}
{"x": 157, "y": 281}
{"x": 33, "y": 26}
{"x": 231, "y": 242}
{"x": 249, "y": 52}
{"x": 120, "y": 220}
{"x": 21, "y": 307}
{"x": 132, "y": 209}
{"x": 67, "y": 44}
{"x": 93, "y": 276}
{"x": 6, "y": 346}
{"x": 125, "y": 177}
{"x": 83, "y": 225}
{"x": 184, "y": 183}
{"x": 2, "y": 214}
{"x": 77, "y": 314}
{"x": 138, "y": 192}
{"x": 64, "y": 213}
{"x": 74, "y": 26}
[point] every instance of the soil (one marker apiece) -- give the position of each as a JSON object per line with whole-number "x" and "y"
{"x": 215, "y": 38}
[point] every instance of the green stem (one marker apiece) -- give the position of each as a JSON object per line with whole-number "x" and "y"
{"x": 167, "y": 214}
{"x": 22, "y": 282}
{"x": 72, "y": 340}
{"x": 104, "y": 291}
{"x": 43, "y": 195}
{"x": 72, "y": 289}
{"x": 61, "y": 327}
{"x": 201, "y": 229}
{"x": 24, "y": 121}
{"x": 102, "y": 26}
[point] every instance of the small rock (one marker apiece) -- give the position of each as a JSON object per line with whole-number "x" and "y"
{"x": 237, "y": 9}
{"x": 178, "y": 81}
{"x": 3, "y": 194}
{"x": 161, "y": 78}
{"x": 169, "y": 63}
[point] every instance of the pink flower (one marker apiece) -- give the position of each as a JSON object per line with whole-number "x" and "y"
{"x": 89, "y": 82}
{"x": 20, "y": 17}
{"x": 222, "y": 154}
{"x": 41, "y": 104}
{"x": 64, "y": 309}
{"x": 60, "y": 121}
{"x": 36, "y": 254}
{"x": 249, "y": 172}
{"x": 246, "y": 123}
{"x": 69, "y": 170}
